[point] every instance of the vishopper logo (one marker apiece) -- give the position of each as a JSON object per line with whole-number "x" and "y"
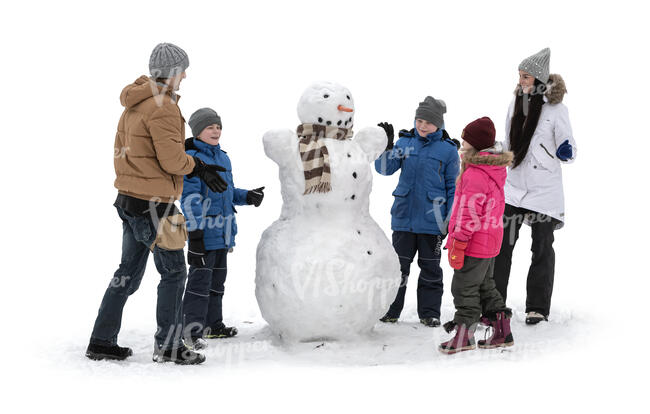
{"x": 156, "y": 215}
{"x": 225, "y": 353}
{"x": 340, "y": 278}
{"x": 474, "y": 213}
{"x": 438, "y": 204}
{"x": 540, "y": 89}
{"x": 205, "y": 221}
{"x": 119, "y": 281}
{"x": 120, "y": 152}
{"x": 514, "y": 222}
{"x": 397, "y": 153}
{"x": 350, "y": 156}
{"x": 160, "y": 89}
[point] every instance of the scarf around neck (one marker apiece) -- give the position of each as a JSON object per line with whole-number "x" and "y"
{"x": 314, "y": 154}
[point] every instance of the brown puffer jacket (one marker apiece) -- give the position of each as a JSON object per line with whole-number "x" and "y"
{"x": 150, "y": 158}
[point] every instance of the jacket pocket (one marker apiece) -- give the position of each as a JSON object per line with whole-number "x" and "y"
{"x": 400, "y": 205}
{"x": 544, "y": 156}
{"x": 435, "y": 210}
{"x": 435, "y": 166}
{"x": 172, "y": 233}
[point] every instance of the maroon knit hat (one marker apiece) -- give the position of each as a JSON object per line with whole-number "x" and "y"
{"x": 480, "y": 133}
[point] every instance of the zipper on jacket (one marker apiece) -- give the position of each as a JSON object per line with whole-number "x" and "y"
{"x": 549, "y": 154}
{"x": 439, "y": 168}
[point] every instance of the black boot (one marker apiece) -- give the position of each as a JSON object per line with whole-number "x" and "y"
{"x": 388, "y": 319}
{"x": 99, "y": 352}
{"x": 533, "y": 318}
{"x": 181, "y": 356}
{"x": 195, "y": 344}
{"x": 430, "y": 322}
{"x": 222, "y": 331}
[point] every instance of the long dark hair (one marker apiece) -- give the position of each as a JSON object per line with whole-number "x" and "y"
{"x": 527, "y": 109}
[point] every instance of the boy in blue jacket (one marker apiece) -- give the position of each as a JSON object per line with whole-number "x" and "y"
{"x": 212, "y": 228}
{"x": 429, "y": 161}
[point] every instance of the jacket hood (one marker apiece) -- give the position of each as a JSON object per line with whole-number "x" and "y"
{"x": 198, "y": 145}
{"x": 412, "y": 133}
{"x": 556, "y": 89}
{"x": 493, "y": 164}
{"x": 143, "y": 88}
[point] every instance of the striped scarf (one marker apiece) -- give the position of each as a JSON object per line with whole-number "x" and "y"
{"x": 314, "y": 155}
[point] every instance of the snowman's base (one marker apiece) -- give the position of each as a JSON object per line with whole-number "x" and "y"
{"x": 337, "y": 291}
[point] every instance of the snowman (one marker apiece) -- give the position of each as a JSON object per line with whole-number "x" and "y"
{"x": 325, "y": 269}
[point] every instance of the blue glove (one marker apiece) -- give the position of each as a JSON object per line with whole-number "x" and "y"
{"x": 565, "y": 151}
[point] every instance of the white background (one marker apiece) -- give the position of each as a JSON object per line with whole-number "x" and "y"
{"x": 63, "y": 67}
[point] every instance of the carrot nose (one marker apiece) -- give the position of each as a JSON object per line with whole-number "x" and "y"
{"x": 345, "y": 108}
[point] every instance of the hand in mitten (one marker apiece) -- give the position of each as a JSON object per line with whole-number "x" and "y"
{"x": 255, "y": 197}
{"x": 209, "y": 174}
{"x": 196, "y": 249}
{"x": 457, "y": 254}
{"x": 565, "y": 151}
{"x": 390, "y": 133}
{"x": 449, "y": 326}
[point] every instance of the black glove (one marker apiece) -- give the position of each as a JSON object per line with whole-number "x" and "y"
{"x": 390, "y": 133}
{"x": 196, "y": 249}
{"x": 449, "y": 326}
{"x": 255, "y": 196}
{"x": 208, "y": 174}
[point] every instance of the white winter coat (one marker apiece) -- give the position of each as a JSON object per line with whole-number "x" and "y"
{"x": 536, "y": 183}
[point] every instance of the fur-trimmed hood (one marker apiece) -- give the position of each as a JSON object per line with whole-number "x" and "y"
{"x": 556, "y": 89}
{"x": 499, "y": 159}
{"x": 492, "y": 161}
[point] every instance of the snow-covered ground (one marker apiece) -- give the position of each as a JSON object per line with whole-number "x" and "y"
{"x": 64, "y": 64}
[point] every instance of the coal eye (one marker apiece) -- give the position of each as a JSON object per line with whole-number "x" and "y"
{"x": 326, "y": 96}
{"x": 347, "y": 96}
{"x": 320, "y": 119}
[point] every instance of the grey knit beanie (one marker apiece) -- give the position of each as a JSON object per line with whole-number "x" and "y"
{"x": 167, "y": 60}
{"x": 203, "y": 118}
{"x": 537, "y": 64}
{"x": 431, "y": 110}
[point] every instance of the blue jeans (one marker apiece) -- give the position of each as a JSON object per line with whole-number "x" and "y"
{"x": 202, "y": 304}
{"x": 138, "y": 234}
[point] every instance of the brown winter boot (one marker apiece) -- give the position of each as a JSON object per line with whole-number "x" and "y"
{"x": 462, "y": 341}
{"x": 501, "y": 334}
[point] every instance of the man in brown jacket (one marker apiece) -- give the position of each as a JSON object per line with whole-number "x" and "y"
{"x": 150, "y": 162}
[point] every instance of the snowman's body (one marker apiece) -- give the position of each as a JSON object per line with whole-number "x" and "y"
{"x": 325, "y": 269}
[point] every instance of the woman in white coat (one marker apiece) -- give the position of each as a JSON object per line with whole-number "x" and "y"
{"x": 538, "y": 132}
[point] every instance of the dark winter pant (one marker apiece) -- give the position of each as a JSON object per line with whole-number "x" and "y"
{"x": 539, "y": 286}
{"x": 474, "y": 291}
{"x": 427, "y": 246}
{"x": 202, "y": 304}
{"x": 138, "y": 233}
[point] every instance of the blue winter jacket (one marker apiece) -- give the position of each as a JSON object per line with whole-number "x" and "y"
{"x": 425, "y": 192}
{"x": 214, "y": 213}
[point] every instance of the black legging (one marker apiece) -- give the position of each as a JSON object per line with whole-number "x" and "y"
{"x": 539, "y": 286}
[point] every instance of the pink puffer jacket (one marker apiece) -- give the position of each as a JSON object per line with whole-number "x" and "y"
{"x": 476, "y": 217}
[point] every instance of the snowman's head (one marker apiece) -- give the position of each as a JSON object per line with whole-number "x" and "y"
{"x": 326, "y": 103}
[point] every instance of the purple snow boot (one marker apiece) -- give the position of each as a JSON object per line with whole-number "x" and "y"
{"x": 462, "y": 341}
{"x": 501, "y": 334}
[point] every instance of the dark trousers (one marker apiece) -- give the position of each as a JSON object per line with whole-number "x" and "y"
{"x": 474, "y": 291}
{"x": 138, "y": 234}
{"x": 429, "y": 292}
{"x": 539, "y": 286}
{"x": 202, "y": 304}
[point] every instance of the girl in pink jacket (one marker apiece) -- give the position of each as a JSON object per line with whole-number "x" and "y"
{"x": 475, "y": 234}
